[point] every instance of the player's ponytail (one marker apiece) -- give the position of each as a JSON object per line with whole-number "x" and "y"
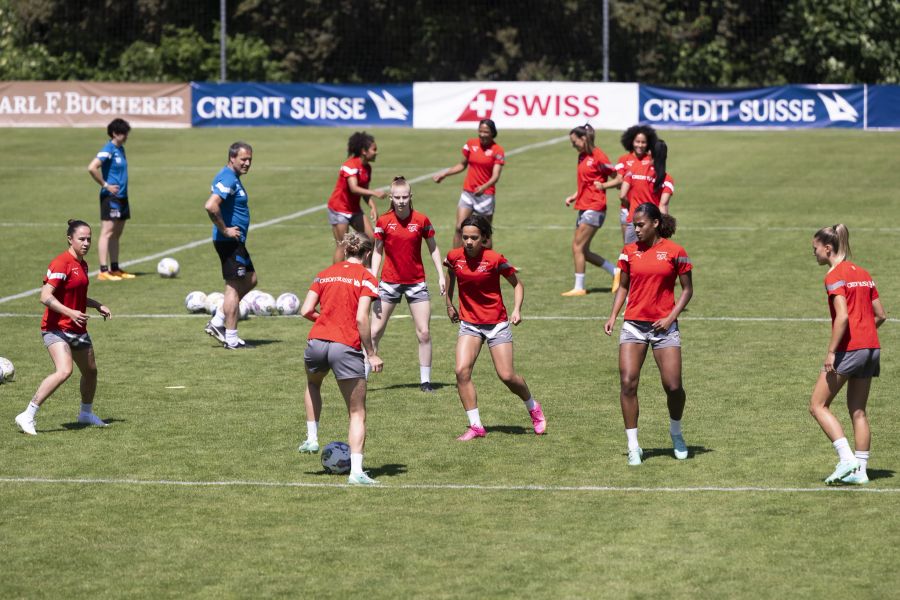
{"x": 660, "y": 153}
{"x": 586, "y": 133}
{"x": 666, "y": 227}
{"x": 75, "y": 224}
{"x": 357, "y": 245}
{"x": 836, "y": 236}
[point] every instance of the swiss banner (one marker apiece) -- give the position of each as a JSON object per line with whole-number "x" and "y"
{"x": 90, "y": 104}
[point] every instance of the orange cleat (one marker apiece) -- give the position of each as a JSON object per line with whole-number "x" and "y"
{"x": 123, "y": 274}
{"x": 108, "y": 276}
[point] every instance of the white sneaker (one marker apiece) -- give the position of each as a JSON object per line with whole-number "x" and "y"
{"x": 360, "y": 479}
{"x": 842, "y": 469}
{"x": 681, "y": 450}
{"x": 90, "y": 419}
{"x": 856, "y": 478}
{"x": 26, "y": 423}
{"x": 635, "y": 456}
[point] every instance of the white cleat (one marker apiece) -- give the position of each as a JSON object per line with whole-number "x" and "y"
{"x": 26, "y": 423}
{"x": 91, "y": 419}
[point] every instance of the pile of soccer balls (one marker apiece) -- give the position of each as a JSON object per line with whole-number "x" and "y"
{"x": 7, "y": 370}
{"x": 256, "y": 302}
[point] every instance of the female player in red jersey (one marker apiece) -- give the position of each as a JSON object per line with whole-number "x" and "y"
{"x": 398, "y": 241}
{"x": 637, "y": 142}
{"x": 482, "y": 317}
{"x": 344, "y": 209}
{"x": 484, "y": 159}
{"x": 853, "y": 355}
{"x": 593, "y": 173}
{"x": 341, "y": 330}
{"x": 64, "y": 328}
{"x": 650, "y": 267}
{"x": 647, "y": 181}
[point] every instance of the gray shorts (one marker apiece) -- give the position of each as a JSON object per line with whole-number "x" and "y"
{"x": 480, "y": 205}
{"x": 623, "y": 216}
{"x": 642, "y": 332}
{"x": 594, "y": 218}
{"x": 76, "y": 341}
{"x": 495, "y": 334}
{"x": 393, "y": 293}
{"x": 346, "y": 362}
{"x": 340, "y": 218}
{"x": 858, "y": 364}
{"x": 630, "y": 235}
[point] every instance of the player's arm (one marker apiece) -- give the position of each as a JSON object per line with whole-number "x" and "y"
{"x": 94, "y": 168}
{"x": 365, "y": 333}
{"x": 664, "y": 203}
{"x": 495, "y": 177}
{"x": 377, "y": 256}
{"x": 618, "y": 301}
{"x": 518, "y": 298}
{"x": 878, "y": 309}
{"x": 838, "y": 329}
{"x": 687, "y": 291}
{"x": 451, "y": 284}
{"x": 355, "y": 188}
{"x": 614, "y": 182}
{"x": 50, "y": 301}
{"x": 214, "y": 210}
{"x": 100, "y": 308}
{"x": 308, "y": 310}
{"x": 457, "y": 168}
{"x": 436, "y": 259}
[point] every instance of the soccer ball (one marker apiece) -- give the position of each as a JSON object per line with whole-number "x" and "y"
{"x": 250, "y": 296}
{"x": 213, "y": 301}
{"x": 263, "y": 304}
{"x": 336, "y": 458}
{"x": 287, "y": 304}
{"x": 243, "y": 311}
{"x": 7, "y": 370}
{"x": 167, "y": 267}
{"x": 195, "y": 302}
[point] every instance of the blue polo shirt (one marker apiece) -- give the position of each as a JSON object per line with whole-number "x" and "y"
{"x": 235, "y": 211}
{"x": 114, "y": 168}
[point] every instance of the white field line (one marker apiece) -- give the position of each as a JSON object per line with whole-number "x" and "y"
{"x": 270, "y": 222}
{"x": 453, "y": 486}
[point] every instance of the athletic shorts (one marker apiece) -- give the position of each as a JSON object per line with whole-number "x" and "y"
{"x": 594, "y": 218}
{"x": 393, "y": 293}
{"x": 642, "y": 332}
{"x": 495, "y": 334}
{"x": 630, "y": 234}
{"x": 858, "y": 364}
{"x": 342, "y": 218}
{"x": 113, "y": 208}
{"x": 480, "y": 205}
{"x": 235, "y": 259}
{"x": 76, "y": 341}
{"x": 623, "y": 216}
{"x": 346, "y": 362}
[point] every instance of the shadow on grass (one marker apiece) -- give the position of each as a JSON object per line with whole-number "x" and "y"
{"x": 388, "y": 470}
{"x": 668, "y": 452}
{"x": 76, "y": 426}
{"x": 412, "y": 386}
{"x": 510, "y": 429}
{"x": 879, "y": 474}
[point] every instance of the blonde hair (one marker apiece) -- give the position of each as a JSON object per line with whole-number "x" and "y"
{"x": 836, "y": 236}
{"x": 400, "y": 181}
{"x": 357, "y": 245}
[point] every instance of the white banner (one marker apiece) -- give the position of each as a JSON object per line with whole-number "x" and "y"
{"x": 525, "y": 105}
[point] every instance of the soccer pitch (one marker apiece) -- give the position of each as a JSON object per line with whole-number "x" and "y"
{"x": 196, "y": 488}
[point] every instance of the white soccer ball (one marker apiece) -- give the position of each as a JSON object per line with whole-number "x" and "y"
{"x": 336, "y": 458}
{"x": 287, "y": 304}
{"x": 195, "y": 302}
{"x": 263, "y": 305}
{"x": 167, "y": 267}
{"x": 213, "y": 301}
{"x": 7, "y": 370}
{"x": 250, "y": 296}
{"x": 244, "y": 311}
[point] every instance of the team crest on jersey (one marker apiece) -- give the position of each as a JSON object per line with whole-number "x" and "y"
{"x": 412, "y": 227}
{"x": 662, "y": 255}
{"x": 590, "y": 162}
{"x": 488, "y": 152}
{"x": 483, "y": 267}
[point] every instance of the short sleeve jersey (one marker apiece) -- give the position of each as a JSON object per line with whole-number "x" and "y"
{"x": 592, "y": 167}
{"x": 652, "y": 271}
{"x": 69, "y": 277}
{"x": 478, "y": 279}
{"x": 235, "y": 208}
{"x": 481, "y": 164}
{"x": 624, "y": 162}
{"x": 403, "y": 246}
{"x": 342, "y": 200}
{"x": 642, "y": 177}
{"x": 855, "y": 284}
{"x": 114, "y": 168}
{"x": 339, "y": 288}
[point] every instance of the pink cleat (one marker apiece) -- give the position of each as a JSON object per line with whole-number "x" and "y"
{"x": 474, "y": 431}
{"x": 538, "y": 419}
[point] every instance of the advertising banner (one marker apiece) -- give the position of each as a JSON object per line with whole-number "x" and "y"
{"x": 788, "y": 107}
{"x": 89, "y": 104}
{"x": 525, "y": 105}
{"x": 883, "y": 106}
{"x": 243, "y": 104}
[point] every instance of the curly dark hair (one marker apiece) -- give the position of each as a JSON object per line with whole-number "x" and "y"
{"x": 359, "y": 142}
{"x": 633, "y": 131}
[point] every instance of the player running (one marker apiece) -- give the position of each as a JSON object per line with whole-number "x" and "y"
{"x": 482, "y": 317}
{"x": 647, "y": 181}
{"x": 853, "y": 355}
{"x": 64, "y": 328}
{"x": 650, "y": 267}
{"x": 483, "y": 161}
{"x": 398, "y": 241}
{"x": 344, "y": 208}
{"x": 341, "y": 330}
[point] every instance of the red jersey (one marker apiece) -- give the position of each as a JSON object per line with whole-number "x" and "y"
{"x": 855, "y": 284}
{"x": 623, "y": 164}
{"x": 339, "y": 288}
{"x": 69, "y": 277}
{"x": 642, "y": 177}
{"x": 341, "y": 199}
{"x": 481, "y": 164}
{"x": 403, "y": 246}
{"x": 478, "y": 279}
{"x": 591, "y": 168}
{"x": 652, "y": 271}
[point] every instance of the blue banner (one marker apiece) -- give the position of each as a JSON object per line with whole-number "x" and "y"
{"x": 789, "y": 106}
{"x": 243, "y": 104}
{"x": 883, "y": 103}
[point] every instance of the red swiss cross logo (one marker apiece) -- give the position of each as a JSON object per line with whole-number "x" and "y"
{"x": 480, "y": 107}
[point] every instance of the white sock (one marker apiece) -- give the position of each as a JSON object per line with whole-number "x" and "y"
{"x": 356, "y": 463}
{"x": 863, "y": 457}
{"x": 674, "y": 427}
{"x": 219, "y": 318}
{"x": 579, "y": 281}
{"x": 474, "y": 418}
{"x": 530, "y": 404}
{"x": 608, "y": 267}
{"x": 312, "y": 431}
{"x": 843, "y": 450}
{"x": 86, "y": 409}
{"x": 424, "y": 374}
{"x": 631, "y": 434}
{"x": 231, "y": 337}
{"x": 32, "y": 409}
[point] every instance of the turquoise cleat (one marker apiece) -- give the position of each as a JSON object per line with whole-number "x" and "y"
{"x": 842, "y": 469}
{"x": 855, "y": 478}
{"x": 308, "y": 447}
{"x": 361, "y": 479}
{"x": 635, "y": 456}
{"x": 681, "y": 451}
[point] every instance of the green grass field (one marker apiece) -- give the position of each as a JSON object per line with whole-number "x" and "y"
{"x": 199, "y": 491}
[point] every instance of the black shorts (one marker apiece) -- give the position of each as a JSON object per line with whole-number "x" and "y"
{"x": 113, "y": 208}
{"x": 235, "y": 259}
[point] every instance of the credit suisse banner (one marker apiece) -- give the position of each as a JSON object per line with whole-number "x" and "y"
{"x": 525, "y": 105}
{"x": 243, "y": 104}
{"x": 90, "y": 104}
{"x": 789, "y": 106}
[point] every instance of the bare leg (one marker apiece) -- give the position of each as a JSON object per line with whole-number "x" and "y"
{"x": 857, "y": 397}
{"x": 118, "y": 226}
{"x": 467, "y": 349}
{"x": 421, "y": 314}
{"x": 462, "y": 213}
{"x": 103, "y": 244}
{"x": 312, "y": 399}
{"x": 354, "y": 391}
{"x": 581, "y": 248}
{"x": 87, "y": 364}
{"x": 502, "y": 355}
{"x": 669, "y": 362}
{"x": 61, "y": 355}
{"x": 339, "y": 231}
{"x": 827, "y": 387}
{"x": 235, "y": 289}
{"x": 631, "y": 359}
{"x": 381, "y": 313}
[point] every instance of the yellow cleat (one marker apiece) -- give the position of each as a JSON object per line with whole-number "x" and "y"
{"x": 123, "y": 274}
{"x": 574, "y": 292}
{"x": 107, "y": 276}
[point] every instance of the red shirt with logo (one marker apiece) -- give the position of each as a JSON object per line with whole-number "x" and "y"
{"x": 855, "y": 284}
{"x": 652, "y": 271}
{"x": 478, "y": 280}
{"x": 339, "y": 288}
{"x": 69, "y": 277}
{"x": 481, "y": 164}
{"x": 403, "y": 246}
{"x": 592, "y": 167}
{"x": 341, "y": 199}
{"x": 623, "y": 164}
{"x": 642, "y": 177}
